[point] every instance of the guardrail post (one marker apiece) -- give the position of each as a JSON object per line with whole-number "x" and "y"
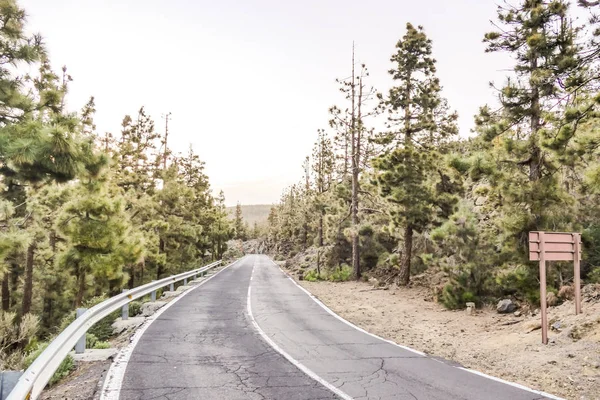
{"x": 80, "y": 345}
{"x": 125, "y": 309}
{"x": 153, "y": 295}
{"x": 184, "y": 281}
{"x": 172, "y": 287}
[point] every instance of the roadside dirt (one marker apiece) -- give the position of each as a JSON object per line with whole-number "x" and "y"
{"x": 83, "y": 384}
{"x": 504, "y": 346}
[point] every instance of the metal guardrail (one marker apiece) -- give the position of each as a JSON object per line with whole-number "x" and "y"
{"x": 35, "y": 378}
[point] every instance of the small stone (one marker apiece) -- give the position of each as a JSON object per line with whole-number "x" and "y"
{"x": 517, "y": 313}
{"x": 506, "y": 306}
{"x": 570, "y": 355}
{"x": 557, "y": 326}
{"x": 470, "y": 308}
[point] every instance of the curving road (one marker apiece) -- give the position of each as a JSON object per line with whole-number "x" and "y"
{"x": 252, "y": 333}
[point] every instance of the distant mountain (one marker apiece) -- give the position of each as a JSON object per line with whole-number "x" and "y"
{"x": 258, "y": 213}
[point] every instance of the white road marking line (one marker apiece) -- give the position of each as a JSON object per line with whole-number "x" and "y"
{"x": 548, "y": 395}
{"x": 320, "y": 303}
{"x": 111, "y": 390}
{"x": 288, "y": 357}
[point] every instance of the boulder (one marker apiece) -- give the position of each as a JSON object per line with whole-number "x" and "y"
{"x": 151, "y": 307}
{"x": 168, "y": 294}
{"x": 120, "y": 326}
{"x": 91, "y": 355}
{"x": 506, "y": 306}
{"x": 480, "y": 201}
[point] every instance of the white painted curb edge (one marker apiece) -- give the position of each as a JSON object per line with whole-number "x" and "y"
{"x": 111, "y": 390}
{"x": 288, "y": 357}
{"x": 320, "y": 303}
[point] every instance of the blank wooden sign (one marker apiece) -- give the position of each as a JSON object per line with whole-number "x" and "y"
{"x": 558, "y": 246}
{"x": 555, "y": 246}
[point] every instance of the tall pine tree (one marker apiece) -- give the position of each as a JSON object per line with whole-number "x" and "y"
{"x": 417, "y": 121}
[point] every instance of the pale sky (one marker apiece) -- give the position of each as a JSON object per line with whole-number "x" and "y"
{"x": 248, "y": 83}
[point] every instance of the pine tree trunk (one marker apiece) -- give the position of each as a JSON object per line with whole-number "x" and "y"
{"x": 355, "y": 238}
{"x": 321, "y": 229}
{"x": 80, "y": 290}
{"x": 52, "y": 240}
{"x": 355, "y": 143}
{"x": 318, "y": 262}
{"x": 161, "y": 250}
{"x": 5, "y": 292}
{"x": 131, "y": 281}
{"x": 28, "y": 286}
{"x": 47, "y": 314}
{"x": 14, "y": 283}
{"x": 404, "y": 275}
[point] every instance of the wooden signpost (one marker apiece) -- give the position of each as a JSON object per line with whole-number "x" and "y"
{"x": 555, "y": 246}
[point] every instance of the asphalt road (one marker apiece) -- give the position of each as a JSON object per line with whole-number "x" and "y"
{"x": 207, "y": 346}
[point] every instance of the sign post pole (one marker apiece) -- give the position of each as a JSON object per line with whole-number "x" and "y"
{"x": 577, "y": 276}
{"x": 543, "y": 289}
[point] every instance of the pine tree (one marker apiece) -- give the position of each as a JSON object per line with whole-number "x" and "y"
{"x": 417, "y": 122}
{"x": 98, "y": 232}
{"x": 16, "y": 48}
{"x": 544, "y": 103}
{"x": 220, "y": 230}
{"x": 323, "y": 164}
{"x": 352, "y": 123}
{"x": 238, "y": 223}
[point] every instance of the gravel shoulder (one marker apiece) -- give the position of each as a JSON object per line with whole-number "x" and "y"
{"x": 504, "y": 346}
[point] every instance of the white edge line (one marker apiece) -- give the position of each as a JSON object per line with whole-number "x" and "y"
{"x": 320, "y": 303}
{"x": 288, "y": 357}
{"x": 548, "y": 395}
{"x": 111, "y": 389}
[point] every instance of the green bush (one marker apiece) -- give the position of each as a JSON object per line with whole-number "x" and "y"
{"x": 594, "y": 275}
{"x": 102, "y": 345}
{"x": 63, "y": 370}
{"x": 455, "y": 296}
{"x": 135, "y": 308}
{"x": 90, "y": 340}
{"x": 341, "y": 274}
{"x": 312, "y": 276}
{"x": 520, "y": 280}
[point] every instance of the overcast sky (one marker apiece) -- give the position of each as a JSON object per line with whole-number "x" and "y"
{"x": 250, "y": 82}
